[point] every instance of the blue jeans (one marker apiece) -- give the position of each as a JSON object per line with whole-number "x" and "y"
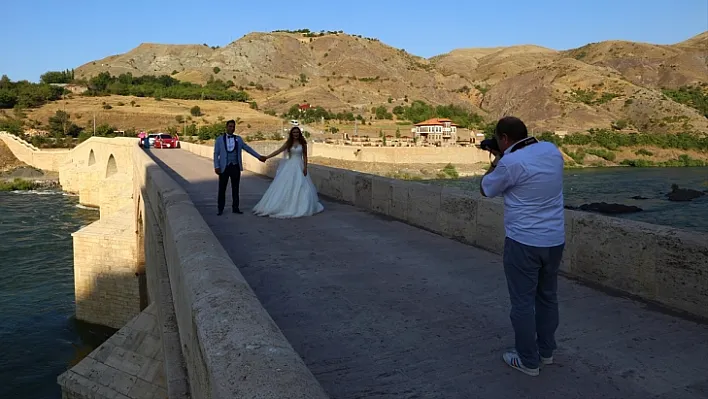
{"x": 532, "y": 279}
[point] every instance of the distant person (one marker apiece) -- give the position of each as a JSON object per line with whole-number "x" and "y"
{"x": 292, "y": 193}
{"x": 228, "y": 164}
{"x": 529, "y": 175}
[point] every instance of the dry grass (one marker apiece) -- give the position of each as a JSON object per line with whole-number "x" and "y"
{"x": 150, "y": 114}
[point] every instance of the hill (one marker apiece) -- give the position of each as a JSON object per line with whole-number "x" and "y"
{"x": 613, "y": 82}
{"x": 651, "y": 65}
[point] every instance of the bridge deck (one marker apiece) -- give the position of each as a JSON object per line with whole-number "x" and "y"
{"x": 377, "y": 308}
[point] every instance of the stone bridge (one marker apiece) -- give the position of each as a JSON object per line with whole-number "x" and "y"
{"x": 395, "y": 291}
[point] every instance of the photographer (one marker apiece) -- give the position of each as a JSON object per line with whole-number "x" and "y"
{"x": 529, "y": 175}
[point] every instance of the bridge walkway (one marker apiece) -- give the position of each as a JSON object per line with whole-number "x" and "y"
{"x": 379, "y": 309}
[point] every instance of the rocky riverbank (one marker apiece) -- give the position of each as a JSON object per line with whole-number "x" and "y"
{"x": 16, "y": 175}
{"x": 28, "y": 178}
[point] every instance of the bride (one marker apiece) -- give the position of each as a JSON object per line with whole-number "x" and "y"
{"x": 292, "y": 193}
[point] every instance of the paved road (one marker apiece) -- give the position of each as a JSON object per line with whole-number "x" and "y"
{"x": 380, "y": 309}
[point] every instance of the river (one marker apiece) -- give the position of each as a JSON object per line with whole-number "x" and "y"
{"x": 619, "y": 185}
{"x": 39, "y": 336}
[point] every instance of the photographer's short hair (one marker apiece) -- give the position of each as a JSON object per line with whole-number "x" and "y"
{"x": 512, "y": 127}
{"x": 230, "y": 121}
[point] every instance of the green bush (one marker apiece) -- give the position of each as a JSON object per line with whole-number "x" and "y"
{"x": 682, "y": 161}
{"x": 692, "y": 96}
{"x": 644, "y": 152}
{"x": 161, "y": 87}
{"x": 25, "y": 94}
{"x": 577, "y": 156}
{"x": 419, "y": 111}
{"x": 604, "y": 154}
{"x": 613, "y": 140}
{"x": 17, "y": 185}
{"x": 450, "y": 171}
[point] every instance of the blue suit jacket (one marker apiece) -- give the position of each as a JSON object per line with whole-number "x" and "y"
{"x": 221, "y": 155}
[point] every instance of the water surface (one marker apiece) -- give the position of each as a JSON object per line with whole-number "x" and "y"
{"x": 39, "y": 337}
{"x": 619, "y": 185}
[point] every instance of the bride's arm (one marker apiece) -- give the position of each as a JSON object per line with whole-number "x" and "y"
{"x": 304, "y": 159}
{"x": 276, "y": 152}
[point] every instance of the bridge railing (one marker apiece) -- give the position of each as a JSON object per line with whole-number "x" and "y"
{"x": 31, "y": 155}
{"x": 659, "y": 264}
{"x": 231, "y": 346}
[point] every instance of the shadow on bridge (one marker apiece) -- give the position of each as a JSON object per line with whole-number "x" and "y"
{"x": 376, "y": 307}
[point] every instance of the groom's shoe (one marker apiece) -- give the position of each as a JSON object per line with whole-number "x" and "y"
{"x": 236, "y": 210}
{"x": 220, "y": 212}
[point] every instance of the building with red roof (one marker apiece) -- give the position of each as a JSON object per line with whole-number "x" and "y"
{"x": 439, "y": 132}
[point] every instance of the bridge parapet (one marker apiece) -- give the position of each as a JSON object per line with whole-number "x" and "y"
{"x": 231, "y": 346}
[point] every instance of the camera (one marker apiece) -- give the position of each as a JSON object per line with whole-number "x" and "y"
{"x": 490, "y": 145}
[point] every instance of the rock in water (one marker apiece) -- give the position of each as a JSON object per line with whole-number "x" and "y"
{"x": 683, "y": 194}
{"x": 610, "y": 209}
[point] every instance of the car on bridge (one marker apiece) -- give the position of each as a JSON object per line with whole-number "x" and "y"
{"x": 161, "y": 140}
{"x": 164, "y": 140}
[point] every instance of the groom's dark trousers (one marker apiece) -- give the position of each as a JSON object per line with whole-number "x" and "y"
{"x": 232, "y": 172}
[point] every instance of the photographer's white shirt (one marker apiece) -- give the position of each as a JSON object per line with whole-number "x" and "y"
{"x": 531, "y": 181}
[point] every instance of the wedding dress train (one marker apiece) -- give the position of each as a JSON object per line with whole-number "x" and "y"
{"x": 291, "y": 194}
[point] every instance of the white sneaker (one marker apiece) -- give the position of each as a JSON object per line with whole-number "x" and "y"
{"x": 544, "y": 360}
{"x": 514, "y": 361}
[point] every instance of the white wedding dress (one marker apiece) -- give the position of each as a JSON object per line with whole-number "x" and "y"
{"x": 291, "y": 194}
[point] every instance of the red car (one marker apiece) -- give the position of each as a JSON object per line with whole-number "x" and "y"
{"x": 164, "y": 140}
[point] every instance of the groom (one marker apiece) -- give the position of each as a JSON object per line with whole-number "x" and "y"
{"x": 228, "y": 165}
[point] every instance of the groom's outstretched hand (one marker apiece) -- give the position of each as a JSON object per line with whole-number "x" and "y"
{"x": 217, "y": 171}
{"x": 262, "y": 158}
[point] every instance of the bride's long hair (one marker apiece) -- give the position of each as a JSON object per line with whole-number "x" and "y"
{"x": 291, "y": 140}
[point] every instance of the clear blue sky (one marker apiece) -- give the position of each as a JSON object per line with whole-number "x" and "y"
{"x": 42, "y": 35}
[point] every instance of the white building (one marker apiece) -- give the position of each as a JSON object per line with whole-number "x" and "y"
{"x": 439, "y": 132}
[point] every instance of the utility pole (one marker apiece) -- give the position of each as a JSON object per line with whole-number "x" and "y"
{"x": 356, "y": 125}
{"x": 66, "y": 119}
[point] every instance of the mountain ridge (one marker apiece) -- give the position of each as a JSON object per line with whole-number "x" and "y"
{"x": 591, "y": 86}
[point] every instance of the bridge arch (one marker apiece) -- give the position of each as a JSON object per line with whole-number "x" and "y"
{"x": 92, "y": 158}
{"x": 111, "y": 167}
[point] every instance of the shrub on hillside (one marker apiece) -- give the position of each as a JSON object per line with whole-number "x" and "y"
{"x": 161, "y": 86}
{"x": 604, "y": 154}
{"x": 692, "y": 96}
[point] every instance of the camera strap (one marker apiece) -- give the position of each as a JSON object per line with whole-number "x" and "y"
{"x": 523, "y": 143}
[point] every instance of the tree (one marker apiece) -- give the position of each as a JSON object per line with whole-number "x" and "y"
{"x": 61, "y": 125}
{"x": 57, "y": 76}
{"x": 195, "y": 111}
{"x": 217, "y": 70}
